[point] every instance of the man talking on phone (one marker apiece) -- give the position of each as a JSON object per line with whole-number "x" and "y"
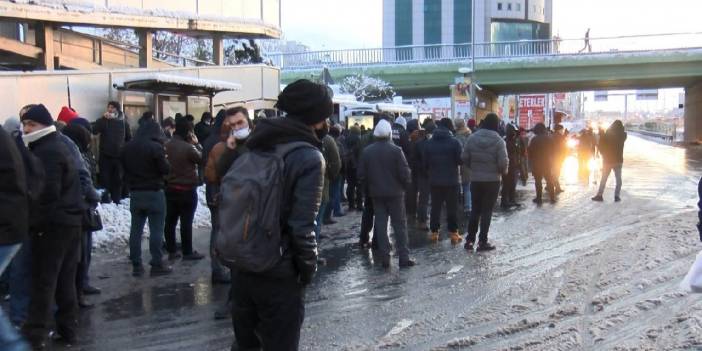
{"x": 114, "y": 133}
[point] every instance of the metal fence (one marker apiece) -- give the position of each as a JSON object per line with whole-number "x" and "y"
{"x": 462, "y": 52}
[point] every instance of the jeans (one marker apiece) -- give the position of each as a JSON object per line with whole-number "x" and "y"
{"x": 267, "y": 312}
{"x": 467, "y": 201}
{"x": 509, "y": 187}
{"x": 86, "y": 251}
{"x": 9, "y": 339}
{"x": 423, "y": 203}
{"x": 145, "y": 205}
{"x": 111, "y": 176}
{"x": 441, "y": 195}
{"x": 21, "y": 283}
{"x": 335, "y": 189}
{"x": 216, "y": 265}
{"x": 180, "y": 205}
{"x": 393, "y": 207}
{"x": 484, "y": 197}
{"x": 606, "y": 169}
{"x": 55, "y": 256}
{"x": 318, "y": 222}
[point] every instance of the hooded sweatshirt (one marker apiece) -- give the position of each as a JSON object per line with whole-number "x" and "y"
{"x": 485, "y": 153}
{"x": 144, "y": 159}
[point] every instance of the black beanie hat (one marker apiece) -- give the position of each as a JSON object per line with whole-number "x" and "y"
{"x": 183, "y": 127}
{"x": 491, "y": 122}
{"x": 39, "y": 114}
{"x": 306, "y": 102}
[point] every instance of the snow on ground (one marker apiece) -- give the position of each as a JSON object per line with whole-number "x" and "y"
{"x": 117, "y": 220}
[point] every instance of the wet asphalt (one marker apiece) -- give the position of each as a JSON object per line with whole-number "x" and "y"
{"x": 355, "y": 304}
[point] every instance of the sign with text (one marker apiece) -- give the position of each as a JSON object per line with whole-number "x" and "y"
{"x": 531, "y": 110}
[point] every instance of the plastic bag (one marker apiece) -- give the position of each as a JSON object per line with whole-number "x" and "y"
{"x": 693, "y": 279}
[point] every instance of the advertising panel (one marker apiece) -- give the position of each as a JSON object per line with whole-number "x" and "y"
{"x": 531, "y": 110}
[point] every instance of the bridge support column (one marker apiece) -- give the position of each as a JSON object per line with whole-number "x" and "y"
{"x": 146, "y": 50}
{"x": 218, "y": 49}
{"x": 487, "y": 102}
{"x": 45, "y": 40}
{"x": 693, "y": 113}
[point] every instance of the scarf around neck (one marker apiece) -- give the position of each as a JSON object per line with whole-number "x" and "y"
{"x": 36, "y": 135}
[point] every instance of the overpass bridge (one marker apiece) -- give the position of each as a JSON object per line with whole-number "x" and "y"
{"x": 557, "y": 65}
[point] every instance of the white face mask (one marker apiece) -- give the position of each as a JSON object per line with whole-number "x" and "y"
{"x": 241, "y": 134}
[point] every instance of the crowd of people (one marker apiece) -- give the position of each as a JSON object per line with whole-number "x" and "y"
{"x": 271, "y": 185}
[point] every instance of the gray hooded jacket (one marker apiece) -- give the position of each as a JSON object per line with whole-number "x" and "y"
{"x": 485, "y": 153}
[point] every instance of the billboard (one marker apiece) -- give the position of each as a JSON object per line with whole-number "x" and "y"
{"x": 532, "y": 110}
{"x": 601, "y": 95}
{"x": 647, "y": 94}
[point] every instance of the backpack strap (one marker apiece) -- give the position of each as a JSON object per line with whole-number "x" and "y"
{"x": 283, "y": 150}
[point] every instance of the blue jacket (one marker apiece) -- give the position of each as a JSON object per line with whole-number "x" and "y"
{"x": 442, "y": 159}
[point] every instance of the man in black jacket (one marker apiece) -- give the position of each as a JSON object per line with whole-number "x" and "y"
{"x": 14, "y": 210}
{"x": 383, "y": 170}
{"x": 146, "y": 167}
{"x": 269, "y": 307}
{"x": 442, "y": 159}
{"x": 55, "y": 233}
{"x": 114, "y": 132}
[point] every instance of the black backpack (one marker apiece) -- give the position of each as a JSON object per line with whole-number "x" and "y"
{"x": 251, "y": 199}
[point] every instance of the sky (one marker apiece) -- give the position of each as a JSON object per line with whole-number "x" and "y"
{"x": 344, "y": 24}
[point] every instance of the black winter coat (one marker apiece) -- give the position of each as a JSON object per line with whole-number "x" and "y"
{"x": 442, "y": 159}
{"x": 304, "y": 181}
{"x": 60, "y": 202}
{"x": 202, "y": 131}
{"x": 401, "y": 138}
{"x": 540, "y": 154}
{"x": 612, "y": 147}
{"x": 383, "y": 170}
{"x": 144, "y": 159}
{"x": 114, "y": 133}
{"x": 14, "y": 205}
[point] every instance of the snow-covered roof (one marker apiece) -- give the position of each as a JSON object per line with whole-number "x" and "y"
{"x": 169, "y": 83}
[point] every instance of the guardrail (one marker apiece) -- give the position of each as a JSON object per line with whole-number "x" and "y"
{"x": 462, "y": 52}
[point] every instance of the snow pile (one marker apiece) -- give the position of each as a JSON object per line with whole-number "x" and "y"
{"x": 116, "y": 220}
{"x": 218, "y": 85}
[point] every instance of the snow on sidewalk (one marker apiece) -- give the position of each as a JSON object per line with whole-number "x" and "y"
{"x": 116, "y": 220}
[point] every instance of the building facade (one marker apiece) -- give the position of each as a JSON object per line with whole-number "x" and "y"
{"x": 426, "y": 22}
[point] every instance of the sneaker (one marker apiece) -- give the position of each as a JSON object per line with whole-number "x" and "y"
{"x": 91, "y": 290}
{"x": 83, "y": 303}
{"x": 161, "y": 269}
{"x": 137, "y": 270}
{"x": 434, "y": 236}
{"x": 408, "y": 263}
{"x": 598, "y": 198}
{"x": 538, "y": 201}
{"x": 223, "y": 312}
{"x": 455, "y": 237}
{"x": 617, "y": 199}
{"x": 485, "y": 247}
{"x": 194, "y": 256}
{"x": 468, "y": 245}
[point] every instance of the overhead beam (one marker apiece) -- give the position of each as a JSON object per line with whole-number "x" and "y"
{"x": 20, "y": 48}
{"x": 233, "y": 26}
{"x": 218, "y": 49}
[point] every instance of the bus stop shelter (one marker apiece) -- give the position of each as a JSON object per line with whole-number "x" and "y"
{"x": 174, "y": 85}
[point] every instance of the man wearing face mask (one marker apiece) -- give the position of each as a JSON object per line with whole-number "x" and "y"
{"x": 269, "y": 306}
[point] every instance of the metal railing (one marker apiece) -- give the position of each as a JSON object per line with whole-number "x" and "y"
{"x": 461, "y": 52}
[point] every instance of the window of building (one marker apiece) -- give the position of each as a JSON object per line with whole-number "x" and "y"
{"x": 403, "y": 22}
{"x": 432, "y": 22}
{"x": 499, "y": 6}
{"x": 461, "y": 21}
{"x": 509, "y": 6}
{"x": 519, "y": 7}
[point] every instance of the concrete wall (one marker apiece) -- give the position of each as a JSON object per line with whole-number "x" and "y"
{"x": 91, "y": 90}
{"x": 693, "y": 113}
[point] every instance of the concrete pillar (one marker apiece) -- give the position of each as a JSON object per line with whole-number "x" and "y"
{"x": 218, "y": 49}
{"x": 146, "y": 51}
{"x": 693, "y": 113}
{"x": 45, "y": 40}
